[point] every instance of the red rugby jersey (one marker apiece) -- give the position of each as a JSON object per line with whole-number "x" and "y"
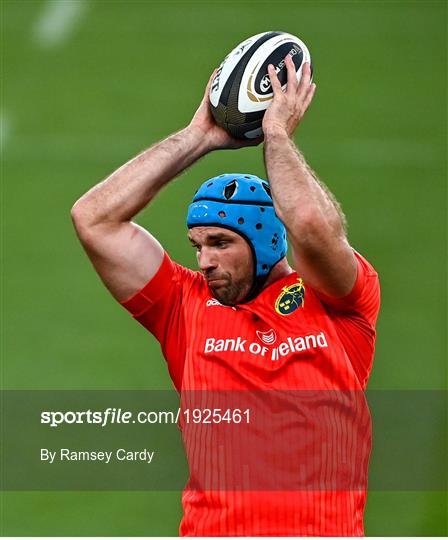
{"x": 301, "y": 361}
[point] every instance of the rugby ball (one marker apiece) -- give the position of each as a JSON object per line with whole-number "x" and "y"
{"x": 241, "y": 90}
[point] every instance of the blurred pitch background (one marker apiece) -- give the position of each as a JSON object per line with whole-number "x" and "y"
{"x": 88, "y": 84}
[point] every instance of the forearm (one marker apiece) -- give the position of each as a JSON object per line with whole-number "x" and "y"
{"x": 130, "y": 188}
{"x": 315, "y": 224}
{"x": 301, "y": 202}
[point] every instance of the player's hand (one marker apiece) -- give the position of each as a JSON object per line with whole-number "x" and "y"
{"x": 288, "y": 107}
{"x": 214, "y": 136}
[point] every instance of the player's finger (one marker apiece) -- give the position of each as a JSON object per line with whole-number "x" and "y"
{"x": 292, "y": 76}
{"x": 212, "y": 76}
{"x": 305, "y": 79}
{"x": 309, "y": 97}
{"x": 206, "y": 96}
{"x": 276, "y": 86}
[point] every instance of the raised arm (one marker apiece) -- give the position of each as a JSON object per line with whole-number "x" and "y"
{"x": 312, "y": 217}
{"x": 125, "y": 255}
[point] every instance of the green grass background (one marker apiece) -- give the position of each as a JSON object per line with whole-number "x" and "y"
{"x": 129, "y": 74}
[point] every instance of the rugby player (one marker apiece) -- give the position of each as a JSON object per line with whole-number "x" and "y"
{"x": 247, "y": 320}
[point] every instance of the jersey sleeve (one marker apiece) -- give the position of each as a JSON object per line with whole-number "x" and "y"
{"x": 364, "y": 298}
{"x": 159, "y": 307}
{"x": 355, "y": 316}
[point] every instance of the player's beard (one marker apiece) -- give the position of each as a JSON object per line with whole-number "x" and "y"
{"x": 231, "y": 292}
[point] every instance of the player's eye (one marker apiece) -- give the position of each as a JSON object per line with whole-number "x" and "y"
{"x": 222, "y": 244}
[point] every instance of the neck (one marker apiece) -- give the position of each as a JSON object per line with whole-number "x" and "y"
{"x": 280, "y": 270}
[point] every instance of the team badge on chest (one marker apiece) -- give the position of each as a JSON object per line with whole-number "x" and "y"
{"x": 291, "y": 298}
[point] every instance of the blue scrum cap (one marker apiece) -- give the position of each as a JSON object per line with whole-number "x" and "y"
{"x": 243, "y": 204}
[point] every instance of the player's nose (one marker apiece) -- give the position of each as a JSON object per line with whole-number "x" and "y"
{"x": 207, "y": 260}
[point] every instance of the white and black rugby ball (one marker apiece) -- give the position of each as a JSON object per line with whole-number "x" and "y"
{"x": 241, "y": 89}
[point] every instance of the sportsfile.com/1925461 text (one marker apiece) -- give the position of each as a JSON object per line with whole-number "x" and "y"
{"x": 113, "y": 415}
